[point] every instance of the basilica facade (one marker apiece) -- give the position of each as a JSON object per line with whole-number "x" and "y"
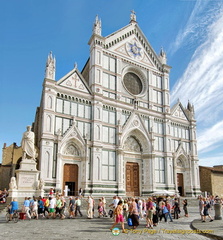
{"x": 109, "y": 128}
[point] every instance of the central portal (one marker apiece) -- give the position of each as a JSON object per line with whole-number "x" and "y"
{"x": 132, "y": 179}
{"x": 71, "y": 179}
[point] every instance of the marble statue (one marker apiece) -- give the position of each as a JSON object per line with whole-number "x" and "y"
{"x": 12, "y": 184}
{"x": 41, "y": 184}
{"x": 28, "y": 144}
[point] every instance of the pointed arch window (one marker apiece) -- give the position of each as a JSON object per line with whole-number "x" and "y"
{"x": 48, "y": 123}
{"x": 49, "y": 102}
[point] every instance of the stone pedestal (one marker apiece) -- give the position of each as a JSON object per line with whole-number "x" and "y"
{"x": 27, "y": 181}
{"x": 217, "y": 209}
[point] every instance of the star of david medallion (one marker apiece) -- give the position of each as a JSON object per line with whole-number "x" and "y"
{"x": 134, "y": 50}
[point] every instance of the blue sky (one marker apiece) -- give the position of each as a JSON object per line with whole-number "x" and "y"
{"x": 190, "y": 32}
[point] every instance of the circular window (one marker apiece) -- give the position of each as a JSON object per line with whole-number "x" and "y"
{"x": 133, "y": 83}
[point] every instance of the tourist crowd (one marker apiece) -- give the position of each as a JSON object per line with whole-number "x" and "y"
{"x": 128, "y": 210}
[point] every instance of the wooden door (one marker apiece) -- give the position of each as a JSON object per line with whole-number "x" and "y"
{"x": 180, "y": 183}
{"x": 71, "y": 179}
{"x": 132, "y": 179}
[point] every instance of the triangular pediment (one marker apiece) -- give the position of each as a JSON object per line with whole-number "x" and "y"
{"x": 132, "y": 43}
{"x": 178, "y": 111}
{"x": 135, "y": 51}
{"x": 181, "y": 156}
{"x": 74, "y": 80}
{"x": 73, "y": 133}
{"x": 135, "y": 126}
{"x": 180, "y": 150}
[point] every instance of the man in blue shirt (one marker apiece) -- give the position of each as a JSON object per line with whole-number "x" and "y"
{"x": 14, "y": 207}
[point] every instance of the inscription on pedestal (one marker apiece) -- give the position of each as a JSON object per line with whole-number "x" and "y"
{"x": 27, "y": 181}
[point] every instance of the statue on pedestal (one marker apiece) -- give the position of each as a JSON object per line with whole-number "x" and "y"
{"x": 40, "y": 184}
{"x": 12, "y": 184}
{"x": 28, "y": 144}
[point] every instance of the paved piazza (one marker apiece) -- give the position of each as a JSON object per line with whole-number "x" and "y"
{"x": 83, "y": 228}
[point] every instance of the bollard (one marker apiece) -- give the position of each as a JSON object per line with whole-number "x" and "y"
{"x": 217, "y": 209}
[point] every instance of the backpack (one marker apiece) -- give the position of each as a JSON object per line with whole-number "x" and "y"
{"x": 208, "y": 205}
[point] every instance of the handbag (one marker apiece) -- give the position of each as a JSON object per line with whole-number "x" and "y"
{"x": 130, "y": 221}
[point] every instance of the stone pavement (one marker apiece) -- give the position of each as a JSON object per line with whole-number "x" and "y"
{"x": 98, "y": 228}
{"x": 215, "y": 228}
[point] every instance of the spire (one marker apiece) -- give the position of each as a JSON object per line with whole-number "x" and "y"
{"x": 97, "y": 26}
{"x": 189, "y": 107}
{"x": 133, "y": 17}
{"x": 162, "y": 56}
{"x": 50, "y": 67}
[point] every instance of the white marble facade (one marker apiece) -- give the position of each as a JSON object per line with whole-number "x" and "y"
{"x": 115, "y": 112}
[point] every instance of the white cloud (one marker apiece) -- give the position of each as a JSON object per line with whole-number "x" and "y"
{"x": 202, "y": 84}
{"x": 203, "y": 14}
{"x": 210, "y": 138}
{"x": 211, "y": 161}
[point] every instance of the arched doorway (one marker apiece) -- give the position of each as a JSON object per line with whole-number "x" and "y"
{"x": 70, "y": 178}
{"x": 132, "y": 179}
{"x": 180, "y": 175}
{"x": 180, "y": 184}
{"x": 132, "y": 157}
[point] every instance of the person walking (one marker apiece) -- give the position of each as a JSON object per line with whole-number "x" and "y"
{"x": 52, "y": 206}
{"x": 62, "y": 212}
{"x": 100, "y": 208}
{"x": 104, "y": 207}
{"x": 90, "y": 207}
{"x": 164, "y": 212}
{"x": 119, "y": 216}
{"x": 26, "y": 205}
{"x": 185, "y": 207}
{"x": 134, "y": 214}
{"x": 46, "y": 206}
{"x": 40, "y": 206}
{"x": 78, "y": 206}
{"x": 169, "y": 207}
{"x": 71, "y": 207}
{"x": 150, "y": 210}
{"x": 176, "y": 208}
{"x": 34, "y": 209}
{"x": 206, "y": 207}
{"x": 125, "y": 210}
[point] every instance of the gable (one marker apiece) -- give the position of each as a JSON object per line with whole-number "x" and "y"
{"x": 133, "y": 49}
{"x": 135, "y": 127}
{"x": 132, "y": 43}
{"x": 72, "y": 141}
{"x": 179, "y": 113}
{"x": 74, "y": 81}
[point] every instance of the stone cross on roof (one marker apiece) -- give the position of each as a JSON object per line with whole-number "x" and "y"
{"x": 133, "y": 16}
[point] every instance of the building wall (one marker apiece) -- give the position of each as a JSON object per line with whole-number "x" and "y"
{"x": 205, "y": 179}
{"x": 11, "y": 154}
{"x": 217, "y": 184}
{"x": 10, "y": 157}
{"x": 5, "y": 176}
